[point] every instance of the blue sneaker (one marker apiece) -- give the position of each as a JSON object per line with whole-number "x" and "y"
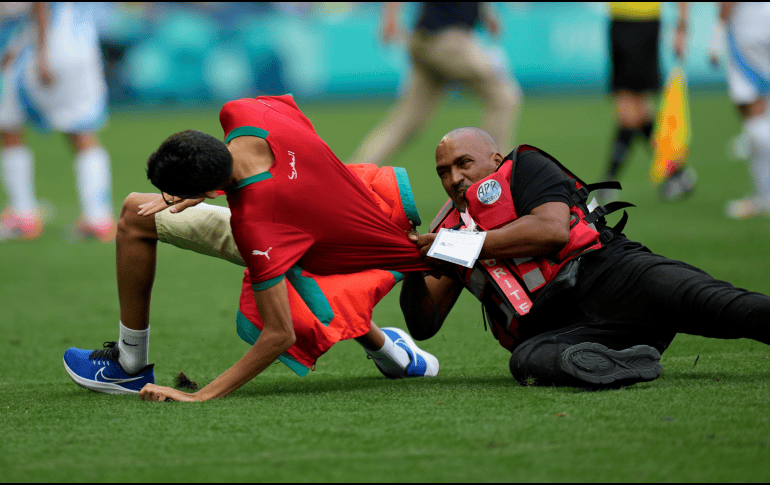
{"x": 99, "y": 370}
{"x": 422, "y": 363}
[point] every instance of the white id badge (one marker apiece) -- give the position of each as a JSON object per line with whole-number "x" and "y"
{"x": 459, "y": 247}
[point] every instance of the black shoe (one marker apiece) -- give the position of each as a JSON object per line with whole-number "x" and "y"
{"x": 595, "y": 364}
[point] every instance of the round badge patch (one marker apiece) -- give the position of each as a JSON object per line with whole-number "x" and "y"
{"x": 488, "y": 192}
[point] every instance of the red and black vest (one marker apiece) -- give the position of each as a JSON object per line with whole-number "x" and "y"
{"x": 508, "y": 288}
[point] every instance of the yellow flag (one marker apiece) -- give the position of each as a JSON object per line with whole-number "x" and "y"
{"x": 672, "y": 130}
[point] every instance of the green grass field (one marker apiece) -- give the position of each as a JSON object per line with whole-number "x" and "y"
{"x": 704, "y": 421}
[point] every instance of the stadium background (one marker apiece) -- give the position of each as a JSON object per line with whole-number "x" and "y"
{"x": 188, "y": 53}
{"x": 170, "y": 67}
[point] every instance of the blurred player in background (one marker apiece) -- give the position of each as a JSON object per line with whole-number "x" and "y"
{"x": 635, "y": 79}
{"x": 443, "y": 50}
{"x": 748, "y": 77}
{"x": 53, "y": 74}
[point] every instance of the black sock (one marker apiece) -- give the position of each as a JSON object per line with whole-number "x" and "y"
{"x": 623, "y": 140}
{"x": 646, "y": 131}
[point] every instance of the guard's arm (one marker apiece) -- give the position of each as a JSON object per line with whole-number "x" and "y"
{"x": 544, "y": 230}
{"x": 426, "y": 301}
{"x": 276, "y": 338}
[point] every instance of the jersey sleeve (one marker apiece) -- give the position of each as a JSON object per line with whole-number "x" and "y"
{"x": 537, "y": 181}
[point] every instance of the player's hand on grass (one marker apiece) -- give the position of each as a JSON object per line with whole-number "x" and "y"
{"x": 162, "y": 202}
{"x": 151, "y": 392}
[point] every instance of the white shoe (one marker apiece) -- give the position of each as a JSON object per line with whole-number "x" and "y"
{"x": 747, "y": 208}
{"x": 422, "y": 363}
{"x": 679, "y": 185}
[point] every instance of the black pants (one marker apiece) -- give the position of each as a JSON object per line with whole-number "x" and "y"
{"x": 644, "y": 299}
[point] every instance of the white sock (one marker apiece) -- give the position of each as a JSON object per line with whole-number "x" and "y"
{"x": 758, "y": 130}
{"x": 133, "y": 346}
{"x": 18, "y": 176}
{"x": 94, "y": 182}
{"x": 392, "y": 358}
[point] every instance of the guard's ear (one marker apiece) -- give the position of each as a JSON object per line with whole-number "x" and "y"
{"x": 498, "y": 159}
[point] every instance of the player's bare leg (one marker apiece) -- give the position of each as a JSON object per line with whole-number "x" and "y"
{"x": 94, "y": 186}
{"x": 122, "y": 367}
{"x": 136, "y": 256}
{"x": 404, "y": 121}
{"x": 633, "y": 114}
{"x": 21, "y": 219}
{"x": 756, "y": 123}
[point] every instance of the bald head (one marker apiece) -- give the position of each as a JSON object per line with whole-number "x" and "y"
{"x": 463, "y": 157}
{"x": 471, "y": 134}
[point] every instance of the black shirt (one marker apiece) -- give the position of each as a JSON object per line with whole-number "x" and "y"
{"x": 435, "y": 16}
{"x": 537, "y": 180}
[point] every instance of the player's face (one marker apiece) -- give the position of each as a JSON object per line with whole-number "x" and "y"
{"x": 461, "y": 162}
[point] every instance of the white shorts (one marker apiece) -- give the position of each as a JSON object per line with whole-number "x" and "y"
{"x": 748, "y": 39}
{"x": 204, "y": 229}
{"x": 76, "y": 100}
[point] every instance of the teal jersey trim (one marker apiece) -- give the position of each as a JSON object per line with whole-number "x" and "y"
{"x": 252, "y": 180}
{"x": 311, "y": 294}
{"x": 246, "y": 131}
{"x": 398, "y": 276}
{"x": 249, "y": 334}
{"x": 267, "y": 284}
{"x": 407, "y": 198}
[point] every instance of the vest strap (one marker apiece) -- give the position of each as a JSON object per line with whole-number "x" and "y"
{"x": 610, "y": 233}
{"x": 530, "y": 273}
{"x": 582, "y": 193}
{"x": 510, "y": 287}
{"x": 442, "y": 214}
{"x": 603, "y": 210}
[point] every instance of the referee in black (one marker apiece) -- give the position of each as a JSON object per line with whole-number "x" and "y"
{"x": 635, "y": 79}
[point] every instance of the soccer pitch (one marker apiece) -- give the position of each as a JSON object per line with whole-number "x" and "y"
{"x": 705, "y": 419}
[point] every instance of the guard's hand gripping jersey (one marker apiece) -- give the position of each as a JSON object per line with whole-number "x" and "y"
{"x": 510, "y": 288}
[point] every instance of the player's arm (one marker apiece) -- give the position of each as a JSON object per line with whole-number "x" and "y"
{"x": 680, "y": 36}
{"x": 726, "y": 11}
{"x": 719, "y": 33}
{"x": 40, "y": 12}
{"x": 390, "y": 30}
{"x": 490, "y": 19}
{"x": 276, "y": 338}
{"x": 543, "y": 231}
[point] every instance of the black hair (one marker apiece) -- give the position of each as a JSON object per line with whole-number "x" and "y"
{"x": 190, "y": 163}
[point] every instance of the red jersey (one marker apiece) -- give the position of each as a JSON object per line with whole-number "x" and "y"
{"x": 309, "y": 208}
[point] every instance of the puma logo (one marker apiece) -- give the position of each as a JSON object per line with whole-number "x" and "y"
{"x": 293, "y": 168}
{"x": 262, "y": 253}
